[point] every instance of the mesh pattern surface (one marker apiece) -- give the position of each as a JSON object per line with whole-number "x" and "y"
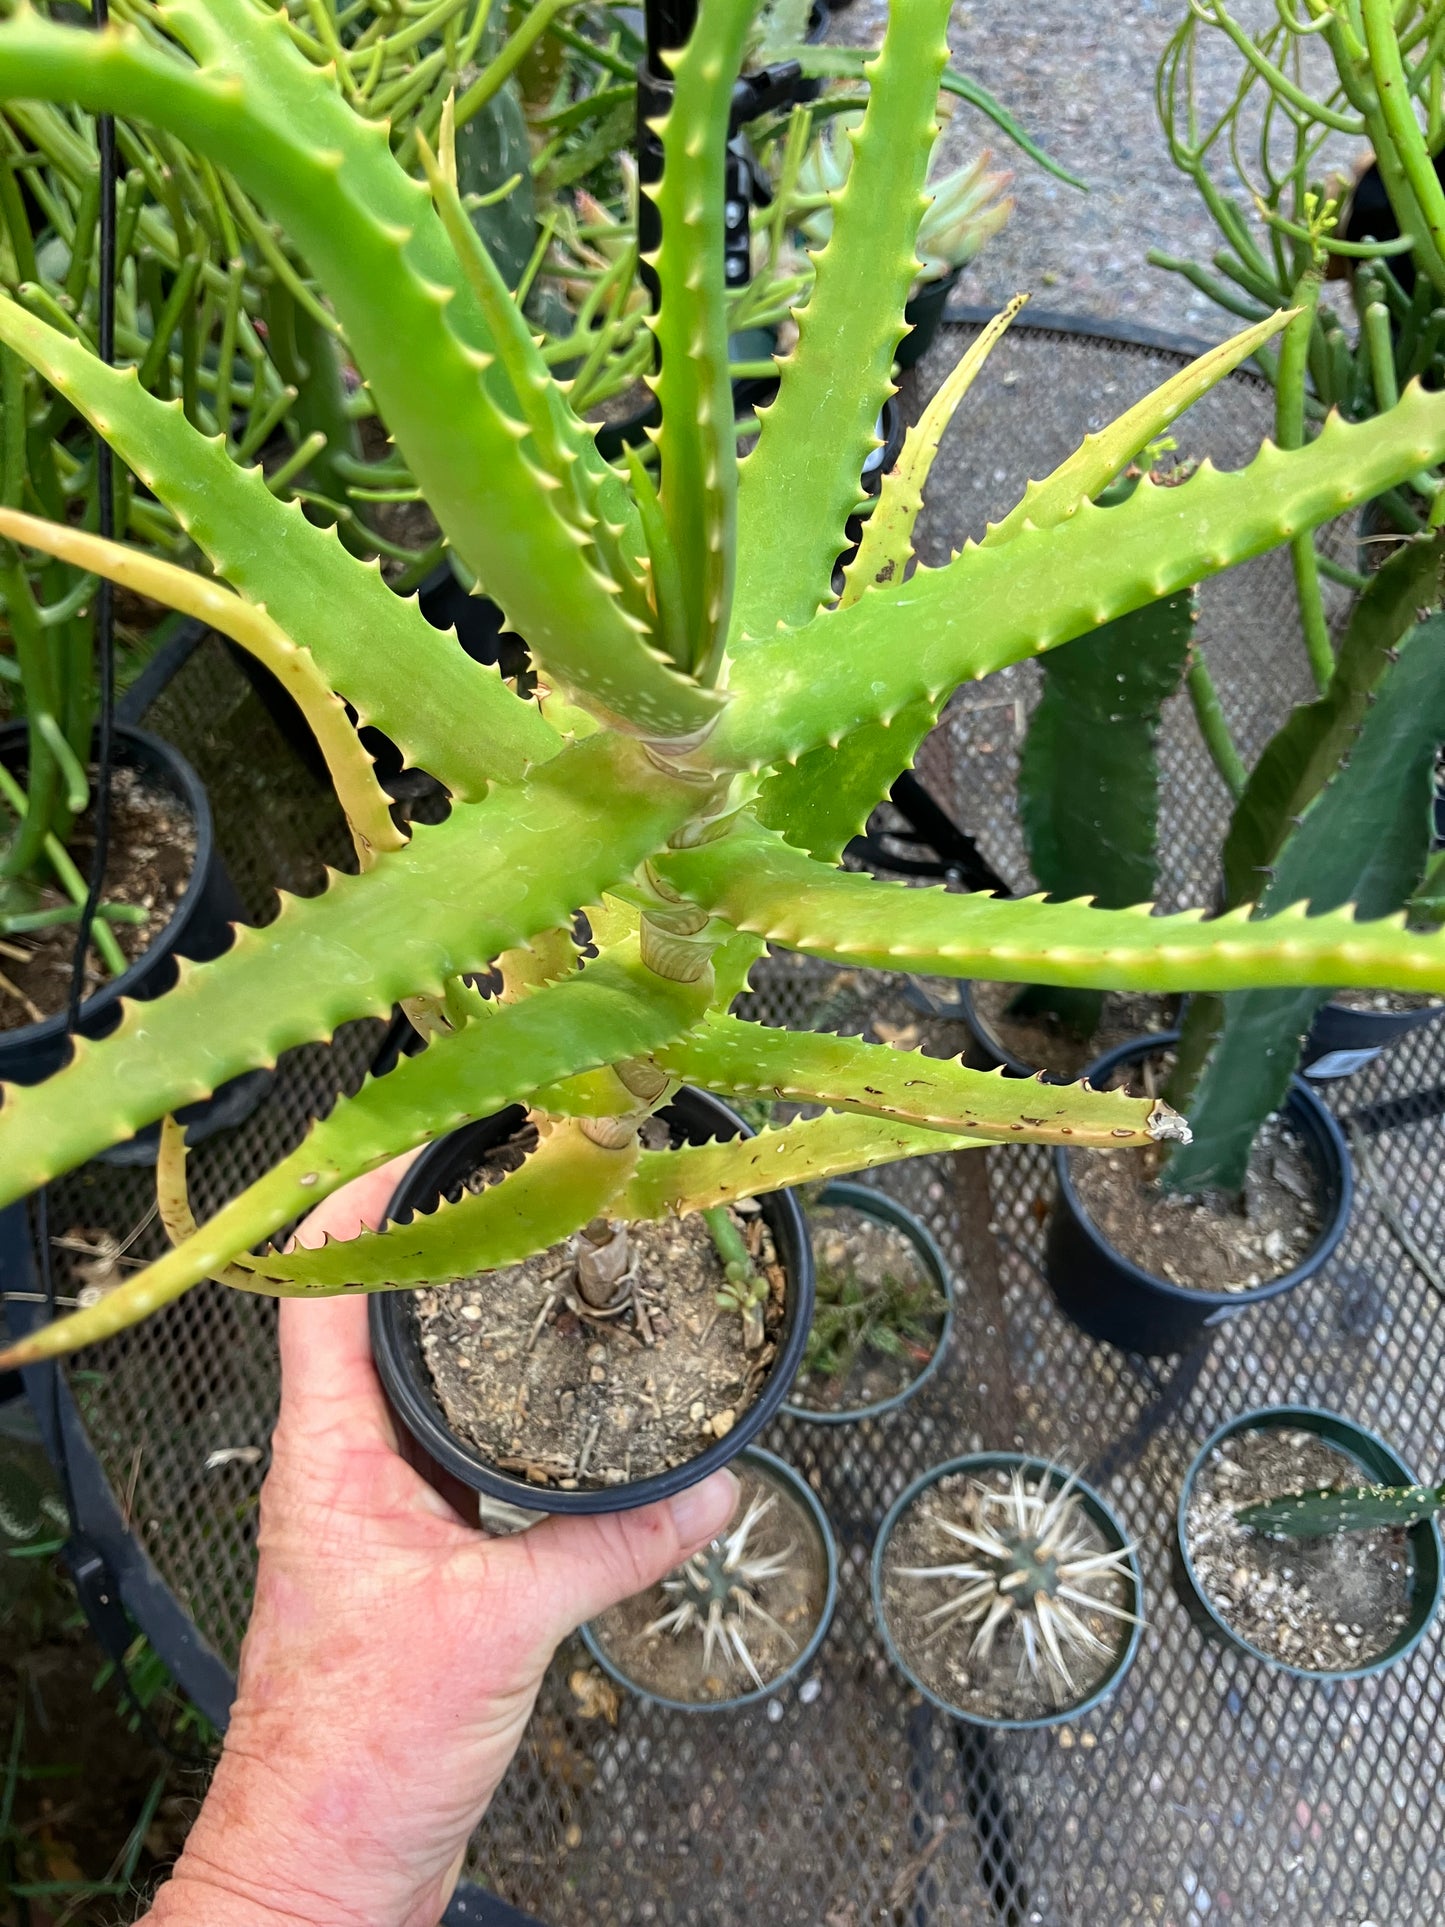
{"x": 1208, "y": 1788}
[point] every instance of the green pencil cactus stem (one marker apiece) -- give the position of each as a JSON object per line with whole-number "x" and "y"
{"x": 710, "y": 721}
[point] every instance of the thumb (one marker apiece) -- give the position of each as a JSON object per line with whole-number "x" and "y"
{"x": 584, "y": 1564}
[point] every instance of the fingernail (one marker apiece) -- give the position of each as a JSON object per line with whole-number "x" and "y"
{"x": 703, "y": 1510}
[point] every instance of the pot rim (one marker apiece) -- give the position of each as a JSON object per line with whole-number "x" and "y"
{"x": 793, "y": 1481}
{"x": 194, "y": 797}
{"x": 1301, "y": 1099}
{"x": 422, "y": 1414}
{"x": 878, "y": 1204}
{"x": 1103, "y": 1516}
{"x": 1274, "y": 1418}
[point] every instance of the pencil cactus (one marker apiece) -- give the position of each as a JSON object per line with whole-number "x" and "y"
{"x": 708, "y": 721}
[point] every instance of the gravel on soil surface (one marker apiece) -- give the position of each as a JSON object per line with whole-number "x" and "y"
{"x": 1326, "y": 1604}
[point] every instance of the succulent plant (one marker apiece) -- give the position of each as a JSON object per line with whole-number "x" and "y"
{"x": 710, "y": 727}
{"x": 1347, "y": 1508}
{"x": 965, "y": 208}
{"x": 714, "y": 1596}
{"x": 1031, "y": 1573}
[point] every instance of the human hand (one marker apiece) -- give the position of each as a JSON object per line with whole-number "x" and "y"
{"x": 394, "y": 1652}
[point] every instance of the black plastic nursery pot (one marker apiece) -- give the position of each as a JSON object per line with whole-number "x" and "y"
{"x": 886, "y": 1210}
{"x": 1109, "y": 1297}
{"x": 924, "y": 315}
{"x": 697, "y": 1118}
{"x": 199, "y": 928}
{"x": 1380, "y": 1465}
{"x": 1102, "y": 1516}
{"x": 1342, "y": 1041}
{"x": 797, "y": 1488}
{"x": 990, "y": 1046}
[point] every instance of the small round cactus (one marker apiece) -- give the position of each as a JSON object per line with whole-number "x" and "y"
{"x": 1034, "y": 1573}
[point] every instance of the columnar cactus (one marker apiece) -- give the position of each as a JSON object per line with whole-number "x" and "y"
{"x": 712, "y": 723}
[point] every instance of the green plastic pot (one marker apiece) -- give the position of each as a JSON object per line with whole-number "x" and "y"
{"x": 886, "y": 1210}
{"x": 981, "y": 1462}
{"x": 1381, "y": 1466}
{"x": 797, "y": 1488}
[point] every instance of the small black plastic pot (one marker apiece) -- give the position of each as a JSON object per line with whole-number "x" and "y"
{"x": 886, "y": 1210}
{"x": 1380, "y": 1465}
{"x": 924, "y": 315}
{"x": 1342, "y": 1041}
{"x": 983, "y": 1462}
{"x": 697, "y": 1118}
{"x": 200, "y": 926}
{"x": 799, "y": 1489}
{"x": 1109, "y": 1297}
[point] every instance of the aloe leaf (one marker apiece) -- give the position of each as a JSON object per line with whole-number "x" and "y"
{"x": 801, "y": 1067}
{"x": 763, "y": 886}
{"x": 695, "y": 442}
{"x": 506, "y": 1054}
{"x": 372, "y": 647}
{"x": 347, "y": 761}
{"x": 490, "y": 877}
{"x": 825, "y": 798}
{"x": 798, "y": 486}
{"x": 1088, "y": 785}
{"x": 256, "y": 106}
{"x": 565, "y": 1182}
{"x": 699, "y": 1176}
{"x": 1349, "y": 1508}
{"x": 1302, "y": 756}
{"x": 995, "y": 605}
{"x": 887, "y": 545}
{"x": 1102, "y": 456}
{"x": 1365, "y": 839}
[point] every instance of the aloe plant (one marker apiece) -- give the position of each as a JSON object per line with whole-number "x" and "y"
{"x": 710, "y": 727}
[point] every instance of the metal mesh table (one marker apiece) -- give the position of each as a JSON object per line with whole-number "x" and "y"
{"x": 1208, "y": 1788}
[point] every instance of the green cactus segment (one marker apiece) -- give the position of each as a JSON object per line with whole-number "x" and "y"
{"x": 372, "y": 647}
{"x": 1102, "y": 456}
{"x": 490, "y": 877}
{"x": 1305, "y": 754}
{"x": 996, "y": 605}
{"x": 257, "y": 107}
{"x": 748, "y": 1060}
{"x": 1349, "y": 1508}
{"x": 762, "y": 886}
{"x": 798, "y": 486}
{"x": 1365, "y": 839}
{"x": 566, "y": 1181}
{"x": 702, "y": 1175}
{"x": 696, "y": 443}
{"x": 1089, "y": 771}
{"x": 887, "y": 545}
